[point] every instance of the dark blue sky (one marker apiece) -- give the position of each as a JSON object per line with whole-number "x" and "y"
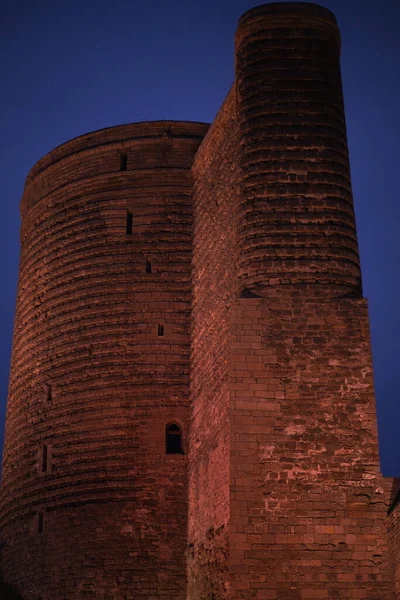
{"x": 70, "y": 67}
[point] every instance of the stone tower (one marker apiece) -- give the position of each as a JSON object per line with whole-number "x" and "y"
{"x": 191, "y": 408}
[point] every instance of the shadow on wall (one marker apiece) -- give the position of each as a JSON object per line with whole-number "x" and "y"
{"x": 394, "y": 496}
{"x": 7, "y": 592}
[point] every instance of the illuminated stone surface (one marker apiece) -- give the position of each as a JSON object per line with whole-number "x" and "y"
{"x": 214, "y": 285}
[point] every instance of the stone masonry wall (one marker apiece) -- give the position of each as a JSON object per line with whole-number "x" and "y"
{"x": 394, "y": 535}
{"x": 308, "y": 505}
{"x": 296, "y": 210}
{"x": 92, "y": 507}
{"x": 216, "y": 177}
{"x": 214, "y": 284}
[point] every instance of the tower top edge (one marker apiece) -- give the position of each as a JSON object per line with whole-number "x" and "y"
{"x": 281, "y": 9}
{"x": 293, "y": 16}
{"x": 119, "y": 134}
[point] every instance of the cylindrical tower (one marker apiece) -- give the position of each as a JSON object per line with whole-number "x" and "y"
{"x": 297, "y": 220}
{"x": 94, "y": 500}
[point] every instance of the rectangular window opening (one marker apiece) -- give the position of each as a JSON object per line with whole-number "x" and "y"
{"x": 44, "y": 458}
{"x": 123, "y": 162}
{"x": 49, "y": 393}
{"x": 40, "y": 522}
{"x": 129, "y": 222}
{"x": 148, "y": 266}
{"x": 160, "y": 329}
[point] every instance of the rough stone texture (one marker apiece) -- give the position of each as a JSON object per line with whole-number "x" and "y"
{"x": 114, "y": 505}
{"x": 216, "y": 175}
{"x": 243, "y": 248}
{"x": 307, "y": 501}
{"x": 394, "y": 535}
{"x": 297, "y": 220}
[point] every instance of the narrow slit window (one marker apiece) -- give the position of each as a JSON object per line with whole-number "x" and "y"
{"x": 148, "y": 266}
{"x": 123, "y": 165}
{"x": 160, "y": 330}
{"x": 45, "y": 454}
{"x": 40, "y": 522}
{"x": 173, "y": 439}
{"x": 129, "y": 222}
{"x": 49, "y": 393}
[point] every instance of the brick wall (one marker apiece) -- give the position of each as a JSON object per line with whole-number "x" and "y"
{"x": 241, "y": 251}
{"x": 216, "y": 177}
{"x": 308, "y": 505}
{"x": 307, "y": 502}
{"x": 92, "y": 383}
{"x": 394, "y": 535}
{"x": 297, "y": 218}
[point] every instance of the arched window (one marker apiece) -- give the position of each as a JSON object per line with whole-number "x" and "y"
{"x": 173, "y": 439}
